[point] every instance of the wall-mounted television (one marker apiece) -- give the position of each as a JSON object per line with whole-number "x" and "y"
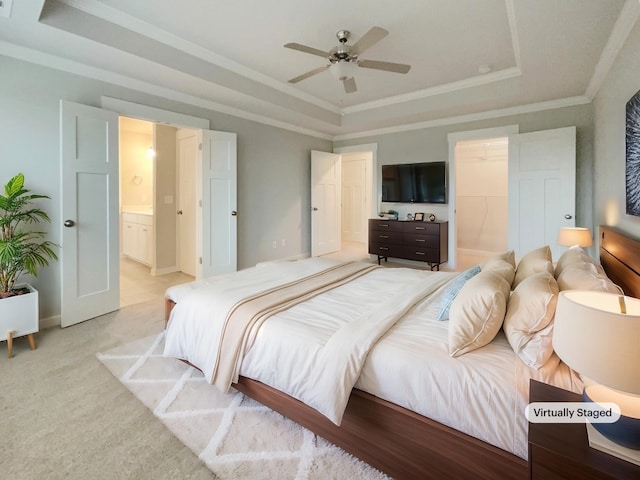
{"x": 414, "y": 183}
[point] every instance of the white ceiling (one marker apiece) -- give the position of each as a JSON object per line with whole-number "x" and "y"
{"x": 229, "y": 55}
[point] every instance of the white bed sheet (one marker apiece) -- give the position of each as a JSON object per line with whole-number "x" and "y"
{"x": 482, "y": 393}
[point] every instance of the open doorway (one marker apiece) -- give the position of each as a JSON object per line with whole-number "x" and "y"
{"x": 481, "y": 199}
{"x": 152, "y": 165}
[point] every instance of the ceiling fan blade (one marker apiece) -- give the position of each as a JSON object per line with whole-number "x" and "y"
{"x": 311, "y": 73}
{"x": 368, "y": 40}
{"x": 305, "y": 49}
{"x": 386, "y": 66}
{"x": 350, "y": 85}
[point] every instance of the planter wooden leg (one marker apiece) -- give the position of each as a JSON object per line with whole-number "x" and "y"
{"x": 10, "y": 343}
{"x": 32, "y": 342}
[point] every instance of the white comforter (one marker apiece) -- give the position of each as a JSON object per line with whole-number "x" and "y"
{"x": 482, "y": 393}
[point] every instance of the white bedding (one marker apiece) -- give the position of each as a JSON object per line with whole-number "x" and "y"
{"x": 482, "y": 393}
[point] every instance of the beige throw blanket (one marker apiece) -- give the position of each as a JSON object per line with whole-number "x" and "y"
{"x": 249, "y": 313}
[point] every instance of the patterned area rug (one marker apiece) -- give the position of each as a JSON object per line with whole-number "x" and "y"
{"x": 236, "y": 437}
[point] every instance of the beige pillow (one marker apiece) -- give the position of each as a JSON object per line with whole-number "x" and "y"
{"x": 536, "y": 261}
{"x": 574, "y": 255}
{"x": 528, "y": 322}
{"x": 477, "y": 312}
{"x": 586, "y": 276}
{"x": 503, "y": 264}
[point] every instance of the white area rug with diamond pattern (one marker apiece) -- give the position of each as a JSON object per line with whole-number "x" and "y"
{"x": 236, "y": 437}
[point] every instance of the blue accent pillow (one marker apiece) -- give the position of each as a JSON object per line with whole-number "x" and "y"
{"x": 452, "y": 291}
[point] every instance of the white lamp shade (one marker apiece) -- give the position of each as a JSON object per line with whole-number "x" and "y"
{"x": 596, "y": 340}
{"x": 570, "y": 236}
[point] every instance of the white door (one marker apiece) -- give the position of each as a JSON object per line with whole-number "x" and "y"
{"x": 542, "y": 188}
{"x": 89, "y": 190}
{"x": 218, "y": 219}
{"x": 187, "y": 200}
{"x": 326, "y": 170}
{"x": 354, "y": 198}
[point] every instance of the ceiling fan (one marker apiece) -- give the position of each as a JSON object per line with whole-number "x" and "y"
{"x": 343, "y": 59}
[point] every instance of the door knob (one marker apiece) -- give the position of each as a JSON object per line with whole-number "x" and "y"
{"x": 568, "y": 217}
{"x": 179, "y": 212}
{"x": 234, "y": 213}
{"x": 315, "y": 209}
{"x": 69, "y": 223}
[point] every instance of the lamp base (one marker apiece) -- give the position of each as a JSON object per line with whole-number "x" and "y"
{"x": 602, "y": 443}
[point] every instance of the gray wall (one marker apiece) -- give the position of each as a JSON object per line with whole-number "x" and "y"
{"x": 273, "y": 164}
{"x": 620, "y": 85}
{"x": 431, "y": 144}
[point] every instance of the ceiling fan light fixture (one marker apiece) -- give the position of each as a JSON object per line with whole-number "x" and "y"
{"x": 343, "y": 69}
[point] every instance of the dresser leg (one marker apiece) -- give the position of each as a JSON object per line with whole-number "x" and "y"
{"x": 32, "y": 342}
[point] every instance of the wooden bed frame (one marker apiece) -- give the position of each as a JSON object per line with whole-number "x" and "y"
{"x": 406, "y": 445}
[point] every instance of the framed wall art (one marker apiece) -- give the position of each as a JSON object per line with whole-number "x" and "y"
{"x": 633, "y": 155}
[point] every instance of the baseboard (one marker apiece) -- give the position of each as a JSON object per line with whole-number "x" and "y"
{"x": 163, "y": 271}
{"x": 49, "y": 322}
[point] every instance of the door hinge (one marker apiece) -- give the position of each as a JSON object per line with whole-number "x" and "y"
{"x": 200, "y": 260}
{"x": 200, "y": 203}
{"x": 200, "y": 146}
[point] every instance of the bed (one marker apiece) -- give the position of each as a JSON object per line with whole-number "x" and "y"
{"x": 387, "y": 423}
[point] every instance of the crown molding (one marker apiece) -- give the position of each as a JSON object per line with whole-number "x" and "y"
{"x": 502, "y": 112}
{"x": 71, "y": 66}
{"x": 622, "y": 28}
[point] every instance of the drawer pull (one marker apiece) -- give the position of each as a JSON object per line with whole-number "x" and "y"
{"x": 384, "y": 248}
{"x": 421, "y": 228}
{"x": 383, "y": 225}
{"x": 383, "y": 236}
{"x": 420, "y": 240}
{"x": 420, "y": 253}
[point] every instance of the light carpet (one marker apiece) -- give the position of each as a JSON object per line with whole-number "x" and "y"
{"x": 236, "y": 437}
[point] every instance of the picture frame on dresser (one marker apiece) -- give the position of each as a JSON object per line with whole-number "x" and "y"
{"x": 418, "y": 217}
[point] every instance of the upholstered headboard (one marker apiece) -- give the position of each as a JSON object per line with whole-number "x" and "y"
{"x": 620, "y": 257}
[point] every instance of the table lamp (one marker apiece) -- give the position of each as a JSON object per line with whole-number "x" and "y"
{"x": 598, "y": 335}
{"x": 570, "y": 236}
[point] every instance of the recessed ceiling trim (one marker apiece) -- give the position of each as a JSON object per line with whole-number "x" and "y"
{"x": 123, "y": 20}
{"x": 70, "y": 66}
{"x": 438, "y": 90}
{"x": 624, "y": 24}
{"x": 502, "y": 112}
{"x": 513, "y": 28}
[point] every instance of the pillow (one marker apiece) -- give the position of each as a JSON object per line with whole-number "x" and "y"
{"x": 477, "y": 312}
{"x": 528, "y": 323}
{"x": 538, "y": 260}
{"x": 452, "y": 291}
{"x": 502, "y": 267}
{"x": 574, "y": 255}
{"x": 586, "y": 276}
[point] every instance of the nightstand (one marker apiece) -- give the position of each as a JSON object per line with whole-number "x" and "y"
{"x": 561, "y": 450}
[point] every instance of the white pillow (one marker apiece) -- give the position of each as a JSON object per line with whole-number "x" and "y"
{"x": 501, "y": 266}
{"x": 528, "y": 323}
{"x": 536, "y": 261}
{"x": 574, "y": 255}
{"x": 477, "y": 312}
{"x": 586, "y": 276}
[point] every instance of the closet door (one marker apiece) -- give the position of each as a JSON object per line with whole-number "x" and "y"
{"x": 542, "y": 188}
{"x": 218, "y": 204}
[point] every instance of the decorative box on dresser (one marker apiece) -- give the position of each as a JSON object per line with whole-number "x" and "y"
{"x": 561, "y": 450}
{"x": 421, "y": 241}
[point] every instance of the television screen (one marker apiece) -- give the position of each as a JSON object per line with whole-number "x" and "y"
{"x": 414, "y": 183}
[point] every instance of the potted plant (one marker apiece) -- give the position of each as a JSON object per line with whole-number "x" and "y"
{"x": 21, "y": 251}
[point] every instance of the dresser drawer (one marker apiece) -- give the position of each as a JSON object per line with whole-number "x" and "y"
{"x": 385, "y": 250}
{"x": 423, "y": 228}
{"x": 385, "y": 225}
{"x": 423, "y": 254}
{"x": 384, "y": 237}
{"x": 421, "y": 240}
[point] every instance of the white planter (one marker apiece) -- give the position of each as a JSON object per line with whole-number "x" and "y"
{"x": 19, "y": 313}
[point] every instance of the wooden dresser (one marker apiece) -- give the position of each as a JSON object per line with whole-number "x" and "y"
{"x": 421, "y": 241}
